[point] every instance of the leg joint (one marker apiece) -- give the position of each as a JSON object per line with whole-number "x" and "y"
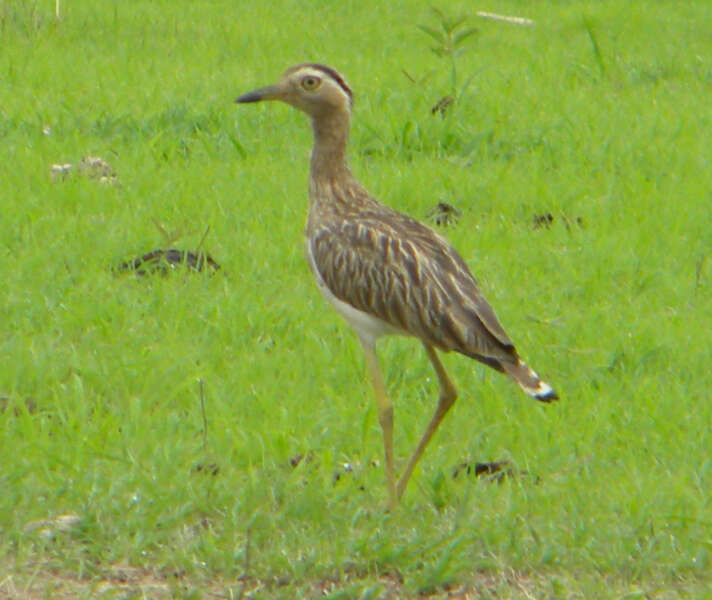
{"x": 385, "y": 417}
{"x": 448, "y": 395}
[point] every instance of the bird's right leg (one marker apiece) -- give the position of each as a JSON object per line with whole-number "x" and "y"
{"x": 448, "y": 395}
{"x": 385, "y": 414}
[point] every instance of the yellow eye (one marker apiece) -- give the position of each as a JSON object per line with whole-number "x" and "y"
{"x": 310, "y": 82}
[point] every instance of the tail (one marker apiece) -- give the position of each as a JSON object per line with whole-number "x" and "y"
{"x": 529, "y": 381}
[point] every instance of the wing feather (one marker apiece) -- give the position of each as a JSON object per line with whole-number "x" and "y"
{"x": 393, "y": 267}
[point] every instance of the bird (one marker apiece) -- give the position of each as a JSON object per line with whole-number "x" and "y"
{"x": 385, "y": 272}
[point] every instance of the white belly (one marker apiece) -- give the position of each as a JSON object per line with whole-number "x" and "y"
{"x": 368, "y": 327}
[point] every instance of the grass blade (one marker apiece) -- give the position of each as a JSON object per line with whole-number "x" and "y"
{"x": 596, "y": 48}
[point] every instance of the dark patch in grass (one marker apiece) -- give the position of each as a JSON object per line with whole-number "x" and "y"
{"x": 295, "y": 460}
{"x": 546, "y": 220}
{"x": 444, "y": 214}
{"x": 163, "y": 261}
{"x": 207, "y": 469}
{"x": 442, "y": 106}
{"x": 543, "y": 220}
{"x": 29, "y": 404}
{"x": 494, "y": 471}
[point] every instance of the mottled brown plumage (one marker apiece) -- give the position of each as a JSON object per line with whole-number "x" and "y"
{"x": 393, "y": 267}
{"x": 385, "y": 272}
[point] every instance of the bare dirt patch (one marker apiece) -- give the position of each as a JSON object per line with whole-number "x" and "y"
{"x": 125, "y": 581}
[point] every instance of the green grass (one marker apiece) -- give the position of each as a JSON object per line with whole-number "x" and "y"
{"x": 601, "y": 111}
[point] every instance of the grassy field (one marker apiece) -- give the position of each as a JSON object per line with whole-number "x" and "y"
{"x": 151, "y": 427}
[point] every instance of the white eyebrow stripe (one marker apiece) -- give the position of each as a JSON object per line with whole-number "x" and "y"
{"x": 324, "y": 72}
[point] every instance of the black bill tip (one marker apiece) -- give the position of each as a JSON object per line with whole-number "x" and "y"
{"x": 270, "y": 92}
{"x": 255, "y": 96}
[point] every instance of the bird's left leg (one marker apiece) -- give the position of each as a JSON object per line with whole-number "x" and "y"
{"x": 385, "y": 414}
{"x": 448, "y": 395}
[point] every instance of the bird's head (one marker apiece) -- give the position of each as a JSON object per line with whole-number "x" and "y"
{"x": 315, "y": 89}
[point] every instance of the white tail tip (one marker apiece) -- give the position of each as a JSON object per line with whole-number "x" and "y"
{"x": 530, "y": 382}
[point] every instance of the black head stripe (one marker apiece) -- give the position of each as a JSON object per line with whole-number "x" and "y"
{"x": 330, "y": 73}
{"x": 336, "y": 77}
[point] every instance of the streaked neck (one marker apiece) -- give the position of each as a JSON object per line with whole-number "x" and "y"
{"x": 329, "y": 161}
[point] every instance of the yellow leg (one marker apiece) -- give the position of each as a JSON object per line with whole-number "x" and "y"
{"x": 448, "y": 395}
{"x": 385, "y": 415}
